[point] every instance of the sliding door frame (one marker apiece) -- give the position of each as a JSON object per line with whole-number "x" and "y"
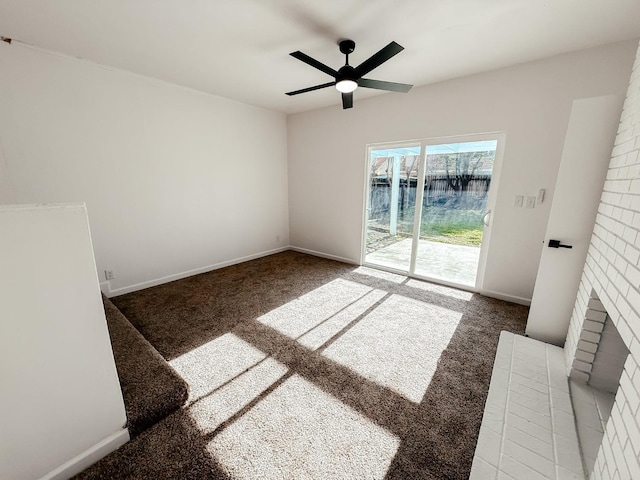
{"x": 500, "y": 138}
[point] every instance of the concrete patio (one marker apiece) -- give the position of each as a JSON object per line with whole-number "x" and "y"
{"x": 441, "y": 261}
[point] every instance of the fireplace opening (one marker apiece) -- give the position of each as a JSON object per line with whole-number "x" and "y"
{"x": 593, "y": 401}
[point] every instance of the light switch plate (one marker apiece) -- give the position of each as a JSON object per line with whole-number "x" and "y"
{"x": 531, "y": 202}
{"x": 517, "y": 201}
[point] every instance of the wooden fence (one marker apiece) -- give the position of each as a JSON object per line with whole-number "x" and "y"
{"x": 471, "y": 193}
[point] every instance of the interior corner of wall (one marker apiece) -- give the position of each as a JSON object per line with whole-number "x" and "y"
{"x": 105, "y": 288}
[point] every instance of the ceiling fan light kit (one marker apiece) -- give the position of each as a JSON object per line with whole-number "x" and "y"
{"x": 346, "y": 86}
{"x": 348, "y": 78}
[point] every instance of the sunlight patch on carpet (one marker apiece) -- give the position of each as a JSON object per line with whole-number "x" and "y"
{"x": 440, "y": 289}
{"x": 381, "y": 274}
{"x": 318, "y": 336}
{"x": 300, "y": 316}
{"x": 397, "y": 345}
{"x": 215, "y": 363}
{"x": 212, "y": 410}
{"x": 299, "y": 431}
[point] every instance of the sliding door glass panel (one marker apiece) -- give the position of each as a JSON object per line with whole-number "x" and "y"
{"x": 456, "y": 187}
{"x": 393, "y": 176}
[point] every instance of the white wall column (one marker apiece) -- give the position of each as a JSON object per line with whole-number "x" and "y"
{"x": 61, "y": 407}
{"x": 587, "y": 149}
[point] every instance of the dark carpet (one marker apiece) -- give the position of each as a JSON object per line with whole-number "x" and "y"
{"x": 151, "y": 389}
{"x": 301, "y": 367}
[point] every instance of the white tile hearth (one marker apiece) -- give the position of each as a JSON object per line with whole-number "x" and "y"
{"x": 528, "y": 428}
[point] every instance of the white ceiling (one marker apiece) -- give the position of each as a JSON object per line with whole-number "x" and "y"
{"x": 239, "y": 48}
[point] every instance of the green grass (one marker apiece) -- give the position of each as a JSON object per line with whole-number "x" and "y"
{"x": 459, "y": 233}
{"x": 454, "y": 226}
{"x": 444, "y": 225}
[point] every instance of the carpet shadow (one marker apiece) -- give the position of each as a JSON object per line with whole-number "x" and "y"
{"x": 383, "y": 406}
{"x": 172, "y": 449}
{"x": 432, "y": 297}
{"x": 441, "y": 443}
{"x": 182, "y": 315}
{"x": 437, "y": 435}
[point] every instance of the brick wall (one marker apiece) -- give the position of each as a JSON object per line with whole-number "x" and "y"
{"x": 611, "y": 282}
{"x": 609, "y": 360}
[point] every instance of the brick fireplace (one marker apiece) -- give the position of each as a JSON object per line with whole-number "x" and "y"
{"x": 610, "y": 292}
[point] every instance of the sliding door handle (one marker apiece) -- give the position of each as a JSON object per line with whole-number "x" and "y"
{"x": 486, "y": 218}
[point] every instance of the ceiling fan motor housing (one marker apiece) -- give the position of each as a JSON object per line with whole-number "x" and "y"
{"x": 347, "y": 46}
{"x": 347, "y": 73}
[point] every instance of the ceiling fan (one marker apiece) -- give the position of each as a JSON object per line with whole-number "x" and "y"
{"x": 348, "y": 78}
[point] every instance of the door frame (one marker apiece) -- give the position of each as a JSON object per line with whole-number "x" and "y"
{"x": 500, "y": 138}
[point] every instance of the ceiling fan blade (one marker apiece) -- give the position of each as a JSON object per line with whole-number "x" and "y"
{"x": 314, "y": 63}
{"x": 311, "y": 89}
{"x": 380, "y": 85}
{"x": 378, "y": 59}
{"x": 347, "y": 100}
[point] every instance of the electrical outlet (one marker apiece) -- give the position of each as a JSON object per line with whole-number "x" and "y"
{"x": 517, "y": 201}
{"x": 278, "y": 238}
{"x": 531, "y": 202}
{"x": 109, "y": 275}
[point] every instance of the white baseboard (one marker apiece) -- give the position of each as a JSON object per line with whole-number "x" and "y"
{"x": 105, "y": 287}
{"x": 89, "y": 456}
{"x": 506, "y": 298}
{"x": 324, "y": 255}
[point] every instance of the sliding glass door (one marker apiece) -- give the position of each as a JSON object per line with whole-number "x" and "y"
{"x": 393, "y": 176}
{"x": 428, "y": 207}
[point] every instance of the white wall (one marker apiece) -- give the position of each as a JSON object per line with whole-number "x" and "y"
{"x": 530, "y": 102}
{"x": 6, "y": 188}
{"x": 60, "y": 393}
{"x": 174, "y": 180}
